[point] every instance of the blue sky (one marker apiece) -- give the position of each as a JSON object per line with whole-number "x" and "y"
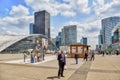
{"x": 15, "y": 15}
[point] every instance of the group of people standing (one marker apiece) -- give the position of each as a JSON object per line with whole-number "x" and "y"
{"x": 35, "y": 57}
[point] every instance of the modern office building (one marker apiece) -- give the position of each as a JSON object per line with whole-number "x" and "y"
{"x": 32, "y": 28}
{"x": 100, "y": 40}
{"x": 84, "y": 40}
{"x": 97, "y": 47}
{"x": 107, "y": 25}
{"x": 42, "y": 23}
{"x": 58, "y": 39}
{"x": 69, "y": 35}
{"x": 116, "y": 37}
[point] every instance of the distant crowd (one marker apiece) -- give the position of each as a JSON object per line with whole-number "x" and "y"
{"x": 35, "y": 56}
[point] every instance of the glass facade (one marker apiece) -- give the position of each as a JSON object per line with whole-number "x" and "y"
{"x": 58, "y": 39}
{"x": 84, "y": 40}
{"x": 116, "y": 37}
{"x": 107, "y": 25}
{"x": 42, "y": 23}
{"x": 69, "y": 35}
{"x": 28, "y": 42}
{"x": 31, "y": 28}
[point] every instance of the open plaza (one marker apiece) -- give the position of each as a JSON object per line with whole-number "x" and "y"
{"x": 13, "y": 67}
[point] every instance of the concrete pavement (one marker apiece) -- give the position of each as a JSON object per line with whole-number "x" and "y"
{"x": 103, "y": 68}
{"x": 43, "y": 71}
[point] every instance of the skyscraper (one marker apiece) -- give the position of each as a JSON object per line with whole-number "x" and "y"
{"x": 58, "y": 39}
{"x": 84, "y": 40}
{"x": 107, "y": 25}
{"x": 69, "y": 35}
{"x": 42, "y": 23}
{"x": 100, "y": 39}
{"x": 31, "y": 28}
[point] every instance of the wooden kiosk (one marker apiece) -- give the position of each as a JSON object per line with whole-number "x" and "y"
{"x": 78, "y": 48}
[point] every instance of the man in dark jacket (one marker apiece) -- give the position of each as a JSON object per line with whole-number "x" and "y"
{"x": 61, "y": 62}
{"x": 76, "y": 58}
{"x": 86, "y": 56}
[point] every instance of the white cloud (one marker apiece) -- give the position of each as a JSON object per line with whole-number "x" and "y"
{"x": 20, "y": 22}
{"x": 19, "y": 11}
{"x": 17, "y": 23}
{"x": 49, "y": 5}
{"x": 54, "y": 31}
{"x": 55, "y": 8}
{"x": 68, "y": 13}
{"x": 83, "y": 6}
{"x": 106, "y": 10}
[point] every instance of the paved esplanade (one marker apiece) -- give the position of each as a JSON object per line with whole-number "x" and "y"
{"x": 103, "y": 68}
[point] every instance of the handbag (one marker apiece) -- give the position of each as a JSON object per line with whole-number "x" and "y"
{"x": 65, "y": 68}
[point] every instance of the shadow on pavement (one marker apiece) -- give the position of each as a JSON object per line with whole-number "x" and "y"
{"x": 73, "y": 64}
{"x": 52, "y": 77}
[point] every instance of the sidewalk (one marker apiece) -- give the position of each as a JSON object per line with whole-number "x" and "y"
{"x": 103, "y": 68}
{"x": 44, "y": 71}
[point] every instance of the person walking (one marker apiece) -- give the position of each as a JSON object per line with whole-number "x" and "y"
{"x": 76, "y": 58}
{"x": 103, "y": 53}
{"x": 92, "y": 56}
{"x": 86, "y": 56}
{"x": 61, "y": 62}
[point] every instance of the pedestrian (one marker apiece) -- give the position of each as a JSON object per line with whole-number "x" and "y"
{"x": 86, "y": 56}
{"x": 117, "y": 52}
{"x": 44, "y": 51}
{"x": 32, "y": 56}
{"x": 103, "y": 53}
{"x": 25, "y": 56}
{"x": 39, "y": 56}
{"x": 76, "y": 58}
{"x": 36, "y": 57}
{"x": 92, "y": 56}
{"x": 61, "y": 62}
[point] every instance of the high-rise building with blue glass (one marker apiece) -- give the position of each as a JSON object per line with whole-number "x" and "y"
{"x": 84, "y": 40}
{"x": 100, "y": 40}
{"x": 31, "y": 28}
{"x": 58, "y": 39}
{"x": 107, "y": 25}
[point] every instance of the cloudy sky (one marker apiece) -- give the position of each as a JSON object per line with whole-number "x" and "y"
{"x": 15, "y": 15}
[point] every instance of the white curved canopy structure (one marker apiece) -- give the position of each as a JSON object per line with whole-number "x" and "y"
{"x": 8, "y": 40}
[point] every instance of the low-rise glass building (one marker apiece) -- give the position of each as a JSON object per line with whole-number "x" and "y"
{"x": 17, "y": 44}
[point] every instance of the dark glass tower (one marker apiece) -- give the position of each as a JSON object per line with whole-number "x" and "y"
{"x": 42, "y": 23}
